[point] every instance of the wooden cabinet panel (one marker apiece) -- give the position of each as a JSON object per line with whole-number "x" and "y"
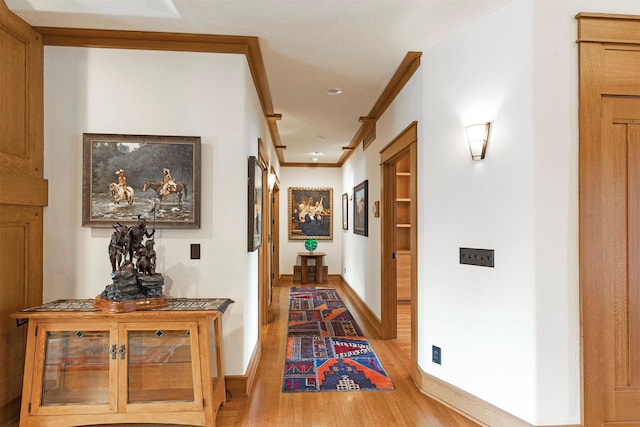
{"x": 23, "y": 192}
{"x": 21, "y": 286}
{"x": 21, "y": 97}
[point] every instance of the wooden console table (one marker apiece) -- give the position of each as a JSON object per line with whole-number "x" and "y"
{"x": 318, "y": 256}
{"x": 85, "y": 367}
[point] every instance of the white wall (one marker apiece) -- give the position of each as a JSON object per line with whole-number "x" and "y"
{"x": 156, "y": 93}
{"x": 310, "y": 177}
{"x": 483, "y": 319}
{"x": 511, "y": 334}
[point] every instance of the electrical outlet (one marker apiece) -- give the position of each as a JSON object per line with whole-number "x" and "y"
{"x": 436, "y": 355}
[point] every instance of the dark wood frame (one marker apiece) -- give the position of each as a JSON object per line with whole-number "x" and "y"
{"x": 345, "y": 211}
{"x": 145, "y": 159}
{"x": 298, "y": 193}
{"x": 254, "y": 218}
{"x": 361, "y": 221}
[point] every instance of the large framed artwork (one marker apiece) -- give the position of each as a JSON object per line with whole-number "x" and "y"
{"x": 126, "y": 177}
{"x": 310, "y": 213}
{"x": 254, "y": 230}
{"x": 361, "y": 208}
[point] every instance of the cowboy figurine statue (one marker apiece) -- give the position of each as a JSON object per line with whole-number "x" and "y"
{"x": 168, "y": 185}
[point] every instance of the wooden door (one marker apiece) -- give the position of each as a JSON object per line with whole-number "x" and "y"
{"x": 620, "y": 345}
{"x": 23, "y": 193}
{"x": 609, "y": 215}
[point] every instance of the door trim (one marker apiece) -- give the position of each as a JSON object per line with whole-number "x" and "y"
{"x": 405, "y": 142}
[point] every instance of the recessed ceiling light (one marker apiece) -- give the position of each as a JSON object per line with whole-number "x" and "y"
{"x": 334, "y": 91}
{"x": 316, "y": 153}
{"x": 314, "y": 159}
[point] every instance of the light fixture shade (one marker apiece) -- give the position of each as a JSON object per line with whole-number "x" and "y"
{"x": 477, "y": 136}
{"x": 271, "y": 181}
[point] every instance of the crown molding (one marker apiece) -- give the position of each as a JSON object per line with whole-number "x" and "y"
{"x": 366, "y": 132}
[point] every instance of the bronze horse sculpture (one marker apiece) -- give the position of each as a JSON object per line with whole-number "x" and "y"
{"x": 157, "y": 186}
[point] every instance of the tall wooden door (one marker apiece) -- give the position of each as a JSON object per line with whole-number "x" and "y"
{"x": 23, "y": 193}
{"x": 610, "y": 218}
{"x": 620, "y": 345}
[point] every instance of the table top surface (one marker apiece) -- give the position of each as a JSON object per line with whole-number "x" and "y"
{"x": 86, "y": 306}
{"x": 314, "y": 254}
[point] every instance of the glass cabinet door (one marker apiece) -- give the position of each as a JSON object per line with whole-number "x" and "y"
{"x": 161, "y": 363}
{"x": 74, "y": 368}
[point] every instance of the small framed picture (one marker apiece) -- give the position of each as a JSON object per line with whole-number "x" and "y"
{"x": 361, "y": 208}
{"x": 254, "y": 231}
{"x": 345, "y": 211}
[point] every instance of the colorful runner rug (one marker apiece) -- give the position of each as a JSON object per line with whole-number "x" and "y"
{"x": 326, "y": 350}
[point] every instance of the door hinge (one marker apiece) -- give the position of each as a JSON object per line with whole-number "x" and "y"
{"x": 29, "y": 409}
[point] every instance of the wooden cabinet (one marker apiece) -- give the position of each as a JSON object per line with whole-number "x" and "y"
{"x": 143, "y": 367}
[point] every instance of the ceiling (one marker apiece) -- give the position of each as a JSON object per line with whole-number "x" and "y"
{"x": 308, "y": 47}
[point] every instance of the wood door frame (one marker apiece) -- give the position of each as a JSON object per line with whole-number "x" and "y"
{"x": 264, "y": 266}
{"x": 600, "y": 37}
{"x": 274, "y": 244}
{"x": 406, "y": 141}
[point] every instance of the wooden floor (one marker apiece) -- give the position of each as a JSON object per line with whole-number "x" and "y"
{"x": 268, "y": 406}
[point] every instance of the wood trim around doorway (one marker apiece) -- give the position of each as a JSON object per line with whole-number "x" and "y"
{"x": 405, "y": 142}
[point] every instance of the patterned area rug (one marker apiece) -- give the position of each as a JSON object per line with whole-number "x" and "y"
{"x": 326, "y": 350}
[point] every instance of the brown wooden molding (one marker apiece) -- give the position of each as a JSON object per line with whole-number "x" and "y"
{"x": 241, "y": 385}
{"x": 467, "y": 404}
{"x": 23, "y": 190}
{"x": 604, "y": 28}
{"x": 405, "y": 71}
{"x": 309, "y": 165}
{"x": 360, "y": 307}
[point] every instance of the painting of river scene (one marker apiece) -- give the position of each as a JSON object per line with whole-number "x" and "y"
{"x": 126, "y": 177}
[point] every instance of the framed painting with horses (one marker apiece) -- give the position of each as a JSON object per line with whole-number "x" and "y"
{"x": 126, "y": 177}
{"x": 310, "y": 213}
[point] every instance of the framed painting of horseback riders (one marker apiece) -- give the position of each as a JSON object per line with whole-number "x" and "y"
{"x": 126, "y": 177}
{"x": 310, "y": 213}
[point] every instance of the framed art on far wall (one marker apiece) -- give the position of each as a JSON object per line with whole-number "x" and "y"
{"x": 310, "y": 213}
{"x": 361, "y": 208}
{"x": 254, "y": 229}
{"x": 345, "y": 211}
{"x": 126, "y": 177}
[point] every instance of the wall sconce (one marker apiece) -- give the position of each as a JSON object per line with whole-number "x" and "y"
{"x": 477, "y": 136}
{"x": 271, "y": 181}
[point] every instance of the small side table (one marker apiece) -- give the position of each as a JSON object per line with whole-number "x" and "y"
{"x": 318, "y": 256}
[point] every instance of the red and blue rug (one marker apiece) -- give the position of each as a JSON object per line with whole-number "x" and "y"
{"x": 326, "y": 350}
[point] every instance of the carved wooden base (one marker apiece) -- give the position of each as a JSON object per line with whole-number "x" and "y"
{"x": 111, "y": 306}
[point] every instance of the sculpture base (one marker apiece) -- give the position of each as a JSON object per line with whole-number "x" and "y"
{"x": 128, "y": 306}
